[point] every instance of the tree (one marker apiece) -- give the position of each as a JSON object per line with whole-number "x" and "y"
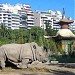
{"x": 36, "y": 33}
{"x": 39, "y": 41}
{"x": 19, "y": 35}
{"x": 49, "y": 30}
{"x": 2, "y": 29}
{"x": 50, "y": 45}
{"x": 4, "y": 34}
{"x": 2, "y": 26}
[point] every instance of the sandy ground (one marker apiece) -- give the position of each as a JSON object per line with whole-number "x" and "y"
{"x": 42, "y": 69}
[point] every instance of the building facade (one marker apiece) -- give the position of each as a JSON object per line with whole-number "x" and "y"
{"x": 18, "y": 16}
{"x": 15, "y": 21}
{"x": 26, "y": 10}
{"x": 40, "y": 18}
{"x": 5, "y": 17}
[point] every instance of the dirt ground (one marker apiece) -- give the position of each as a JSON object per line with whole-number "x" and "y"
{"x": 42, "y": 69}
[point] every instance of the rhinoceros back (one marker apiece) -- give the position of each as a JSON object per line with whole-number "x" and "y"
{"x": 12, "y": 51}
{"x": 17, "y": 52}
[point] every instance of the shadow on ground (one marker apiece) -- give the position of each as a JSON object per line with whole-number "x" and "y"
{"x": 62, "y": 73}
{"x": 54, "y": 72}
{"x": 9, "y": 64}
{"x": 68, "y": 65}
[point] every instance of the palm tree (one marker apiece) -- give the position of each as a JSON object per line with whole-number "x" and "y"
{"x": 2, "y": 29}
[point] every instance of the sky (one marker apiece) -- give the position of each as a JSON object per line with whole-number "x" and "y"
{"x": 43, "y": 5}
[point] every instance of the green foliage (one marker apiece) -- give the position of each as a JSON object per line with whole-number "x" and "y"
{"x": 49, "y": 30}
{"x": 62, "y": 52}
{"x": 40, "y": 41}
{"x": 21, "y": 35}
{"x": 4, "y": 41}
{"x": 37, "y": 35}
{"x": 50, "y": 45}
{"x": 46, "y": 43}
{"x": 73, "y": 31}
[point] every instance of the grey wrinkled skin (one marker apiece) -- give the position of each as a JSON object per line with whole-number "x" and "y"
{"x": 22, "y": 54}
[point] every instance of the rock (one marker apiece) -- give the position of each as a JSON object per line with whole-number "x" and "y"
{"x": 54, "y": 62}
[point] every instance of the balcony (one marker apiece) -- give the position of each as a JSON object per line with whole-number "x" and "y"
{"x": 30, "y": 12}
{"x": 15, "y": 22}
{"x": 5, "y": 14}
{"x": 15, "y": 25}
{"x": 15, "y": 19}
{"x": 4, "y": 21}
{"x": 30, "y": 25}
{"x": 5, "y": 18}
{"x": 30, "y": 18}
{"x": 30, "y": 22}
{"x": 9, "y": 16}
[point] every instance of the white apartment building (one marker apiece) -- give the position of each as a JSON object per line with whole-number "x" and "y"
{"x": 40, "y": 18}
{"x": 16, "y": 20}
{"x": 11, "y": 20}
{"x": 30, "y": 16}
{"x": 4, "y": 17}
{"x": 21, "y": 11}
{"x": 27, "y": 11}
{"x": 47, "y": 16}
{"x": 56, "y": 17}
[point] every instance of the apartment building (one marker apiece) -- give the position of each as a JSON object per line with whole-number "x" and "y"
{"x": 40, "y": 18}
{"x": 11, "y": 20}
{"x": 56, "y": 17}
{"x": 26, "y": 11}
{"x": 21, "y": 16}
{"x": 4, "y": 16}
{"x": 30, "y": 16}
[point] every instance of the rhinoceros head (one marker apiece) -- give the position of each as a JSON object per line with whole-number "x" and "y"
{"x": 43, "y": 55}
{"x": 40, "y": 54}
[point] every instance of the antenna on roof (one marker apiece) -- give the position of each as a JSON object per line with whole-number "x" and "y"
{"x": 63, "y": 13}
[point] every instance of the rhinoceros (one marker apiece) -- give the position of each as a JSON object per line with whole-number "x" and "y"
{"x": 21, "y": 54}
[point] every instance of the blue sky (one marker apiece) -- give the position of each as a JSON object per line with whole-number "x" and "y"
{"x": 42, "y": 5}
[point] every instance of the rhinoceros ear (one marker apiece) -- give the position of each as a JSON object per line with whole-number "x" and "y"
{"x": 34, "y": 46}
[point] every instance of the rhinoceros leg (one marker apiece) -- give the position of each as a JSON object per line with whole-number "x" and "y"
{"x": 24, "y": 63}
{"x": 2, "y": 62}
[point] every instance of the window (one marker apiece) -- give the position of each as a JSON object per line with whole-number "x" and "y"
{"x": 0, "y": 17}
{"x": 0, "y": 14}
